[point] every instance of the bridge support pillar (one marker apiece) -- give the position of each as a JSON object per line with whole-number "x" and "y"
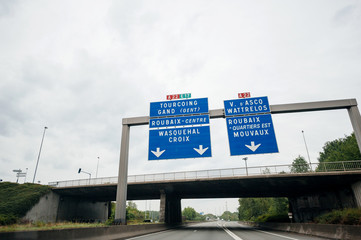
{"x": 356, "y": 188}
{"x": 306, "y": 208}
{"x": 170, "y": 208}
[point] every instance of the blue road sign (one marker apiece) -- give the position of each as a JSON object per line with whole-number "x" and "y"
{"x": 253, "y": 134}
{"x": 180, "y": 107}
{"x": 246, "y": 106}
{"x": 187, "y": 142}
{"x": 178, "y": 121}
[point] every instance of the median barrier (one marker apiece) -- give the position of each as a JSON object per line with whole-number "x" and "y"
{"x": 330, "y": 231}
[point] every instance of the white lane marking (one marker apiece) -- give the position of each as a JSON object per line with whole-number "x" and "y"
{"x": 150, "y": 234}
{"x": 234, "y": 236}
{"x": 269, "y": 232}
{"x": 276, "y": 235}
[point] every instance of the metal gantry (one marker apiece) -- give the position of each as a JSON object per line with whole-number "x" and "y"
{"x": 121, "y": 197}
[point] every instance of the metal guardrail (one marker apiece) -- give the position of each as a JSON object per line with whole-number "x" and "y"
{"x": 221, "y": 173}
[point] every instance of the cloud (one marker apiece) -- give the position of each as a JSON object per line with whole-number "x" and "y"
{"x": 7, "y": 7}
{"x": 345, "y": 15}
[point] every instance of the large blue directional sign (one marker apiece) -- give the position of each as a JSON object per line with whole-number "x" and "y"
{"x": 178, "y": 121}
{"x": 180, "y": 107}
{"x": 245, "y": 106}
{"x": 173, "y": 143}
{"x": 253, "y": 134}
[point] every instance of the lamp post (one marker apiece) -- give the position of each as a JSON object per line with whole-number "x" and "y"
{"x": 90, "y": 175}
{"x": 304, "y": 139}
{"x": 245, "y": 160}
{"x": 96, "y": 174}
{"x": 41, "y": 145}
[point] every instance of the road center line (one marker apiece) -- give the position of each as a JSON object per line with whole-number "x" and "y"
{"x": 276, "y": 234}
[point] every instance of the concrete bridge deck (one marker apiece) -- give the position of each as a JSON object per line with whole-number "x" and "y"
{"x": 264, "y": 181}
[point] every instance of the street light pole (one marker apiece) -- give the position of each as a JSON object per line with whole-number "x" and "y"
{"x": 309, "y": 159}
{"x": 41, "y": 145}
{"x": 96, "y": 174}
{"x": 245, "y": 160}
{"x": 90, "y": 175}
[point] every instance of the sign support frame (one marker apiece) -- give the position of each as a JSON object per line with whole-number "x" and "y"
{"x": 121, "y": 196}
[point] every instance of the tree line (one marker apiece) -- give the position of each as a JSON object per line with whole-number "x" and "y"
{"x": 276, "y": 209}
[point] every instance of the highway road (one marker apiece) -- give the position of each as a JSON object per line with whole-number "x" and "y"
{"x": 223, "y": 230}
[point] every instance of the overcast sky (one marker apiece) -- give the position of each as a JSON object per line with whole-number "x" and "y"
{"x": 80, "y": 67}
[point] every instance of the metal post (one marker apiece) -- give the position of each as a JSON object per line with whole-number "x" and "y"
{"x": 349, "y": 104}
{"x": 145, "y": 210}
{"x": 41, "y": 145}
{"x": 121, "y": 200}
{"x": 26, "y": 173}
{"x": 90, "y": 175}
{"x": 17, "y": 175}
{"x": 96, "y": 174}
{"x": 308, "y": 154}
{"x": 245, "y": 160}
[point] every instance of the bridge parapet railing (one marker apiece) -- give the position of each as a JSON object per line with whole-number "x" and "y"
{"x": 220, "y": 173}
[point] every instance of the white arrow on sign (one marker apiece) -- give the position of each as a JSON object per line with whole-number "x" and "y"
{"x": 158, "y": 152}
{"x": 200, "y": 150}
{"x": 253, "y": 147}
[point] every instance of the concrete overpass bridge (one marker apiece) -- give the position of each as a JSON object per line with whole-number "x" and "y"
{"x": 328, "y": 186}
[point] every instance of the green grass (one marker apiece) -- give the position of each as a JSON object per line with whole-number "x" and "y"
{"x": 38, "y": 226}
{"x": 17, "y": 199}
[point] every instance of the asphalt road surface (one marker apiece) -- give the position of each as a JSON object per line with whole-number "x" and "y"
{"x": 223, "y": 230}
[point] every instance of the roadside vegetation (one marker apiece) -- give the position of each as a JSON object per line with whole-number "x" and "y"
{"x": 263, "y": 209}
{"x": 16, "y": 199}
{"x": 135, "y": 216}
{"x": 342, "y": 149}
{"x": 350, "y": 216}
{"x": 336, "y": 152}
{"x": 37, "y": 226}
{"x": 190, "y": 214}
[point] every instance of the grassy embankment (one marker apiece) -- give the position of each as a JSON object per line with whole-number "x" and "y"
{"x": 17, "y": 199}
